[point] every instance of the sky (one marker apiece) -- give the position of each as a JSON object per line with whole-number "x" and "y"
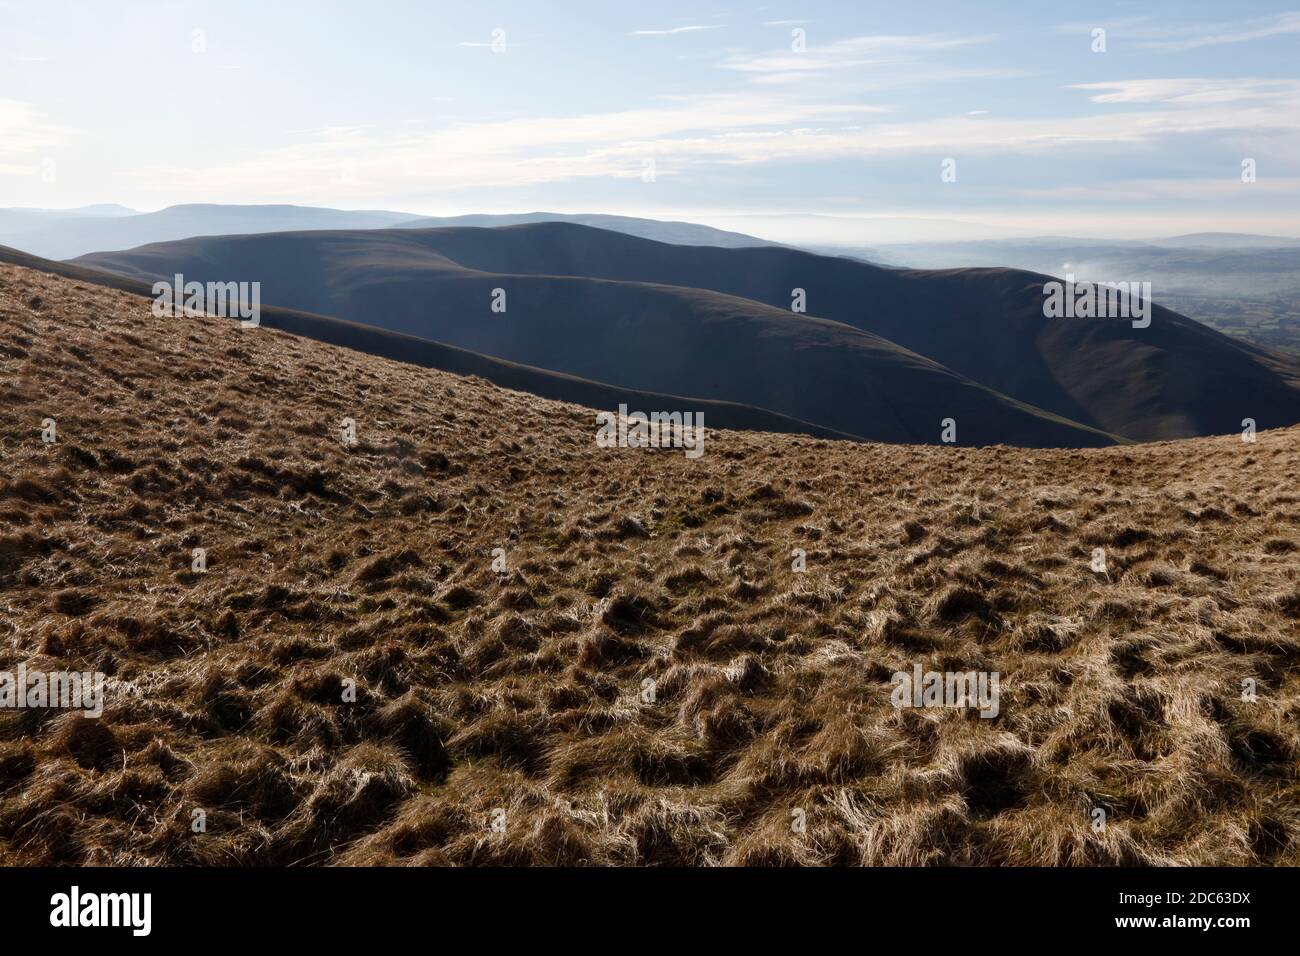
{"x": 807, "y": 121}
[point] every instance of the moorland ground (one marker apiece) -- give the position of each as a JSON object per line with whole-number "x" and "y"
{"x": 519, "y": 697}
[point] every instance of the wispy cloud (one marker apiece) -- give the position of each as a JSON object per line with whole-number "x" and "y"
{"x": 1203, "y": 35}
{"x": 1192, "y": 91}
{"x": 748, "y": 128}
{"x": 718, "y": 129}
{"x": 672, "y": 30}
{"x": 1164, "y": 37}
{"x": 845, "y": 54}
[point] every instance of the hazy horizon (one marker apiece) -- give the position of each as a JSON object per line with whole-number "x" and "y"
{"x": 791, "y": 228}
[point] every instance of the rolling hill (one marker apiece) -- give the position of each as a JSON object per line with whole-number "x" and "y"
{"x": 1165, "y": 381}
{"x": 638, "y": 335}
{"x": 421, "y": 352}
{"x": 1175, "y": 379}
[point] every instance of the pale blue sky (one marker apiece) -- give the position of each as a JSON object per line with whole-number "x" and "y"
{"x": 406, "y": 105}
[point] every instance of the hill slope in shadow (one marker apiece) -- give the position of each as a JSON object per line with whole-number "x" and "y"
{"x": 639, "y": 335}
{"x": 1176, "y": 378}
{"x": 447, "y": 358}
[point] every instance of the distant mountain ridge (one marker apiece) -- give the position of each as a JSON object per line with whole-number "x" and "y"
{"x": 68, "y": 233}
{"x": 672, "y": 232}
{"x": 1226, "y": 240}
{"x": 65, "y": 237}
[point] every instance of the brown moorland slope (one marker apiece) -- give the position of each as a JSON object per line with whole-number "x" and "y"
{"x": 518, "y": 697}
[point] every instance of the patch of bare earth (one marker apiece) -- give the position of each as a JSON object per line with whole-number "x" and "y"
{"x": 521, "y": 697}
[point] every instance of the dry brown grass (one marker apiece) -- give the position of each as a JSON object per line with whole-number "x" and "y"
{"x": 479, "y": 692}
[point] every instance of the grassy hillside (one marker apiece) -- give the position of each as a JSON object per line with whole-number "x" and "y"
{"x": 519, "y": 696}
